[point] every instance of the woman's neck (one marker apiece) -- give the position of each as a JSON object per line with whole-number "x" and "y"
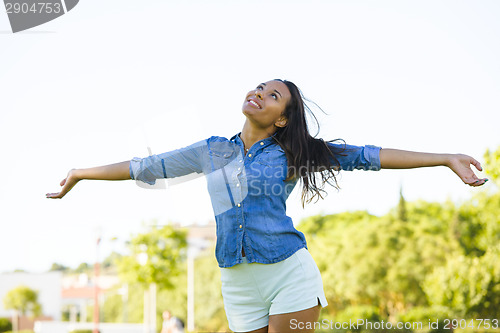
{"x": 250, "y": 134}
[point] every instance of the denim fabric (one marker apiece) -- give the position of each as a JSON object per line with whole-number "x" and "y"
{"x": 248, "y": 192}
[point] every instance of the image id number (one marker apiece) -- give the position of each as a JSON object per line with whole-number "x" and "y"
{"x": 473, "y": 323}
{"x": 35, "y": 8}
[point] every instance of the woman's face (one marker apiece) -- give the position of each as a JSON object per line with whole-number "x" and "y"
{"x": 265, "y": 104}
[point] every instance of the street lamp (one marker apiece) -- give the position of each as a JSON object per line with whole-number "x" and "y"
{"x": 96, "y": 285}
{"x": 191, "y": 255}
{"x": 149, "y": 295}
{"x": 195, "y": 246}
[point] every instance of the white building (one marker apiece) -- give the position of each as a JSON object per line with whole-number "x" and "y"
{"x": 48, "y": 286}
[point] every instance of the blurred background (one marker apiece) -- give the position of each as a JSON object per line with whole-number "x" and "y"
{"x": 109, "y": 79}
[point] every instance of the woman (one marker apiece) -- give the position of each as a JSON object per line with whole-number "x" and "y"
{"x": 269, "y": 281}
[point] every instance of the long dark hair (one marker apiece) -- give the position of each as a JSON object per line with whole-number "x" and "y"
{"x": 309, "y": 159}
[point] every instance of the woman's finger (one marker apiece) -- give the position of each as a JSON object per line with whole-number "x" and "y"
{"x": 482, "y": 182}
{"x": 479, "y": 182}
{"x": 61, "y": 194}
{"x": 476, "y": 164}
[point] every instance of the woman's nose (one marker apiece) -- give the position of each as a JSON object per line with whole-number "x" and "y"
{"x": 258, "y": 94}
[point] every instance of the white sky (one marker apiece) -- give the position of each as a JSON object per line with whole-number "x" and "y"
{"x": 110, "y": 78}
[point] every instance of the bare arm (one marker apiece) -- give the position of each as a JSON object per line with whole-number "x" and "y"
{"x": 117, "y": 171}
{"x": 458, "y": 163}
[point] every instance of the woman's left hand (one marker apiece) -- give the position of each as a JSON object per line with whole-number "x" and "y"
{"x": 461, "y": 165}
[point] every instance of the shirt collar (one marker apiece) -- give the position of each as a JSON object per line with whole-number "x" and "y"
{"x": 267, "y": 141}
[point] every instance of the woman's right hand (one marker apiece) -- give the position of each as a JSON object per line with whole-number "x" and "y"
{"x": 67, "y": 184}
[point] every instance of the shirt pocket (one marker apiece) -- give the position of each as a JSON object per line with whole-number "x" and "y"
{"x": 219, "y": 158}
{"x": 272, "y": 166}
{"x": 272, "y": 158}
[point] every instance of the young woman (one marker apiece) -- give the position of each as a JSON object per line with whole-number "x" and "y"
{"x": 270, "y": 282}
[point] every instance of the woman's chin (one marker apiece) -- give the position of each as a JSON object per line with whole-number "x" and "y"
{"x": 247, "y": 113}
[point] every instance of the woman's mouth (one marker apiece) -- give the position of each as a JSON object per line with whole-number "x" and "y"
{"x": 254, "y": 103}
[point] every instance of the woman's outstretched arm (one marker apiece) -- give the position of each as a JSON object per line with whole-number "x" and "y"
{"x": 117, "y": 171}
{"x": 458, "y": 163}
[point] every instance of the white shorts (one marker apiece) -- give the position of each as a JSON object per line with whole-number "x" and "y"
{"x": 253, "y": 292}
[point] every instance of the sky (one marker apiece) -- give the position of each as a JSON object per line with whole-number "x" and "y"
{"x": 109, "y": 79}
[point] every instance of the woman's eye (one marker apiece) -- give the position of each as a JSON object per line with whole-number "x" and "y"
{"x": 274, "y": 96}
{"x": 260, "y": 88}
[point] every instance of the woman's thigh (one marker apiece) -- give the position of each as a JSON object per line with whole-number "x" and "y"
{"x": 300, "y": 321}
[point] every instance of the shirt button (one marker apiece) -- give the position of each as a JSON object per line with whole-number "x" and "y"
{"x": 239, "y": 205}
{"x": 241, "y": 226}
{"x": 249, "y": 155}
{"x": 237, "y": 185}
{"x": 261, "y": 143}
{"x": 241, "y": 161}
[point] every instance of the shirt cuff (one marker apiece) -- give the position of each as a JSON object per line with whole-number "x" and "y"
{"x": 130, "y": 171}
{"x": 372, "y": 155}
{"x": 138, "y": 171}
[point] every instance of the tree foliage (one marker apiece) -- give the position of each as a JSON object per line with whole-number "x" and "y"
{"x": 154, "y": 257}
{"x": 58, "y": 268}
{"x": 492, "y": 165}
{"x": 5, "y": 325}
{"x": 421, "y": 257}
{"x": 469, "y": 286}
{"x": 382, "y": 261}
{"x": 24, "y": 300}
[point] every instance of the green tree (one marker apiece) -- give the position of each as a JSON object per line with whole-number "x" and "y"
{"x": 401, "y": 206}
{"x": 318, "y": 225}
{"x": 492, "y": 165}
{"x": 83, "y": 268}
{"x": 115, "y": 310}
{"x": 112, "y": 310}
{"x": 5, "y": 325}
{"x": 469, "y": 286}
{"x": 381, "y": 262}
{"x": 477, "y": 223}
{"x": 160, "y": 250}
{"x": 24, "y": 300}
{"x": 209, "y": 307}
{"x": 109, "y": 263}
{"x": 58, "y": 267}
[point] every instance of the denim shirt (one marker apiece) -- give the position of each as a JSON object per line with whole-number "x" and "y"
{"x": 248, "y": 192}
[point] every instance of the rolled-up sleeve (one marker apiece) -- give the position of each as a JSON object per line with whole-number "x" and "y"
{"x": 171, "y": 164}
{"x": 357, "y": 157}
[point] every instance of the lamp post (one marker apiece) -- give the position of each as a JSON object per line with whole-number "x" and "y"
{"x": 190, "y": 288}
{"x": 15, "y": 321}
{"x": 149, "y": 296}
{"x": 152, "y": 307}
{"x": 195, "y": 246}
{"x": 96, "y": 285}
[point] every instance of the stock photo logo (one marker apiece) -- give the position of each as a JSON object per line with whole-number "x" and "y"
{"x": 26, "y": 14}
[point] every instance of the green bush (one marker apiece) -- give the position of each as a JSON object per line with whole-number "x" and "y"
{"x": 5, "y": 325}
{"x": 428, "y": 315}
{"x": 355, "y": 313}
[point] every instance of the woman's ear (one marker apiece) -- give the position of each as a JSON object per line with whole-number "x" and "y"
{"x": 282, "y": 122}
